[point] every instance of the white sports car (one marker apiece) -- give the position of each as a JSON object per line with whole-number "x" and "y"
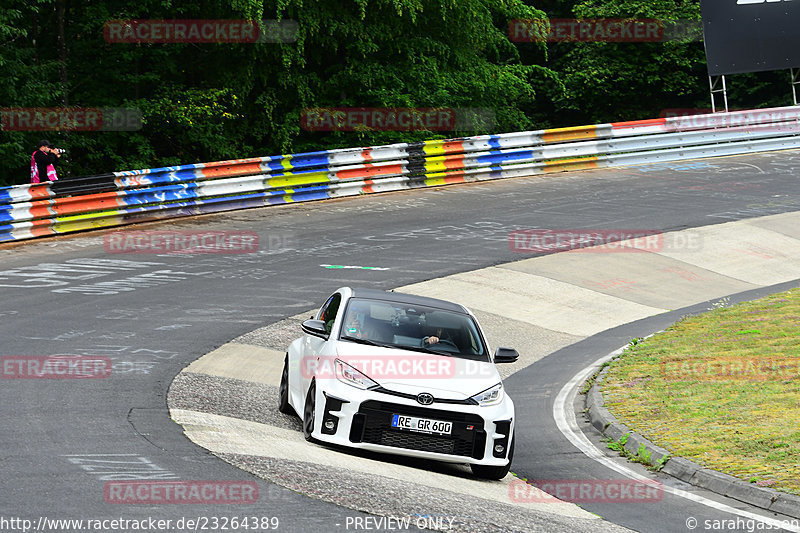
{"x": 401, "y": 374}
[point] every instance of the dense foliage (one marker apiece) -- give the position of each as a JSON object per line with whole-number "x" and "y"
{"x": 206, "y": 102}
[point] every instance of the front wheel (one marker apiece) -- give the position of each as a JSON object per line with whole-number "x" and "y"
{"x": 494, "y": 472}
{"x": 309, "y": 411}
{"x": 283, "y": 390}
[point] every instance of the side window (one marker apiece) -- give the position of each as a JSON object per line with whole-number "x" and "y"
{"x": 328, "y": 311}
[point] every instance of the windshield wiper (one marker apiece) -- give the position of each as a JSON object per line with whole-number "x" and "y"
{"x": 400, "y": 346}
{"x": 366, "y": 341}
{"x": 427, "y": 350}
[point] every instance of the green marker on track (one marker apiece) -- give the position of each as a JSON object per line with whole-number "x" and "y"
{"x": 353, "y": 267}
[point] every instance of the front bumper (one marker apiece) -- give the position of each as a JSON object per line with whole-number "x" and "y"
{"x": 362, "y": 419}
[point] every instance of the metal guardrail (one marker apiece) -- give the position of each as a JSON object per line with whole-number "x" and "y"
{"x": 77, "y": 204}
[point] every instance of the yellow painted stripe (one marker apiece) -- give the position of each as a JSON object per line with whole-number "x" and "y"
{"x": 435, "y": 175}
{"x": 81, "y": 225}
{"x": 88, "y": 216}
{"x": 434, "y": 182}
{"x": 571, "y": 164}
{"x": 288, "y": 198}
{"x": 433, "y": 147}
{"x": 294, "y": 180}
{"x": 436, "y": 165}
{"x": 569, "y": 134}
{"x": 443, "y": 178}
{"x": 286, "y": 162}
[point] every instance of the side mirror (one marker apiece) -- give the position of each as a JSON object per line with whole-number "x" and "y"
{"x": 505, "y": 355}
{"x": 315, "y": 328}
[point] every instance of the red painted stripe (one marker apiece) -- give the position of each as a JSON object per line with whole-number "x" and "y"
{"x": 453, "y": 147}
{"x": 231, "y": 170}
{"x": 42, "y": 190}
{"x": 367, "y": 154}
{"x": 454, "y": 161}
{"x": 369, "y": 170}
{"x": 458, "y": 177}
{"x": 231, "y": 162}
{"x": 41, "y": 209}
{"x": 89, "y": 202}
{"x": 41, "y": 228}
{"x": 640, "y": 123}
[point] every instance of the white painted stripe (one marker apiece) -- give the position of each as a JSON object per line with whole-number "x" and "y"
{"x": 100, "y": 455}
{"x": 21, "y": 211}
{"x": 564, "y": 416}
{"x": 573, "y": 149}
{"x": 20, "y": 193}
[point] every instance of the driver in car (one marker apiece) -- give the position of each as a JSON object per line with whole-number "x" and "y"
{"x": 436, "y": 338}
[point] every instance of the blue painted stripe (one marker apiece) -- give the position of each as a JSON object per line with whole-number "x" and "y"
{"x": 5, "y": 196}
{"x": 505, "y": 156}
{"x": 160, "y": 194}
{"x": 495, "y": 141}
{"x": 274, "y": 165}
{"x": 305, "y": 196}
{"x": 310, "y": 159}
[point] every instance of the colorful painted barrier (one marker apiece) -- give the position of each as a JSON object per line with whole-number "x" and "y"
{"x": 78, "y": 204}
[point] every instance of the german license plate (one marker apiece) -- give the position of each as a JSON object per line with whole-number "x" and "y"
{"x": 422, "y": 425}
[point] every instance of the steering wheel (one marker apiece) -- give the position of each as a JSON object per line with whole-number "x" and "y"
{"x": 444, "y": 341}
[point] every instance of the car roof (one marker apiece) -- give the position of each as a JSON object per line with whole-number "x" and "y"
{"x": 401, "y": 297}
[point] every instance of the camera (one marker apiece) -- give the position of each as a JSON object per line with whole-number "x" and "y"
{"x": 62, "y": 151}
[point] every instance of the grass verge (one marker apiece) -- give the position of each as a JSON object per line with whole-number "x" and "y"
{"x": 721, "y": 389}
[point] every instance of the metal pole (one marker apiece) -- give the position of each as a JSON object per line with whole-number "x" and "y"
{"x": 713, "y": 83}
{"x": 711, "y": 93}
{"x": 725, "y": 93}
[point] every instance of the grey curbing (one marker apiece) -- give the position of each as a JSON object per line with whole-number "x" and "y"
{"x": 681, "y": 468}
{"x": 787, "y": 504}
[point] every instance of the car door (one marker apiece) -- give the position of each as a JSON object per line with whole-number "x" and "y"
{"x": 314, "y": 347}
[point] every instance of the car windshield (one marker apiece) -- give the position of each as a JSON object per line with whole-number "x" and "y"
{"x": 413, "y": 327}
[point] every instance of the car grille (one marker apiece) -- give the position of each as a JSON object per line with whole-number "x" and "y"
{"x": 415, "y": 441}
{"x": 373, "y": 424}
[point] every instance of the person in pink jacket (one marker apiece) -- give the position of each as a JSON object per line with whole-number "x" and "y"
{"x": 43, "y": 162}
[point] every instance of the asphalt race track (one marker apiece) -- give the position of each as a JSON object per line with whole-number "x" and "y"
{"x": 63, "y": 440}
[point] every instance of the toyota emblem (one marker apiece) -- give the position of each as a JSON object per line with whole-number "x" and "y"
{"x": 425, "y": 398}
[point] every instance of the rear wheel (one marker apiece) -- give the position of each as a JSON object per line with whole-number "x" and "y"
{"x": 308, "y": 412}
{"x": 283, "y": 390}
{"x": 494, "y": 472}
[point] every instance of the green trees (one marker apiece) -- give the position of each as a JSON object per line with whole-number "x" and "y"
{"x": 614, "y": 81}
{"x": 212, "y": 101}
{"x": 203, "y": 102}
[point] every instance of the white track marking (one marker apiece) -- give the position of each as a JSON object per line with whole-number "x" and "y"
{"x": 564, "y": 416}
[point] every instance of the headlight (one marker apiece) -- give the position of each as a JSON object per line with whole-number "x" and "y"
{"x": 490, "y": 396}
{"x": 347, "y": 374}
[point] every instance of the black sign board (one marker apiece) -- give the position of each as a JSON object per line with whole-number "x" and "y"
{"x": 751, "y": 35}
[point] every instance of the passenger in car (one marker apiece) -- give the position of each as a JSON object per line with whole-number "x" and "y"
{"x": 352, "y": 327}
{"x": 378, "y": 330}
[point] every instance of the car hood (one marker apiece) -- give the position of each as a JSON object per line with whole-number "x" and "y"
{"x": 414, "y": 372}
